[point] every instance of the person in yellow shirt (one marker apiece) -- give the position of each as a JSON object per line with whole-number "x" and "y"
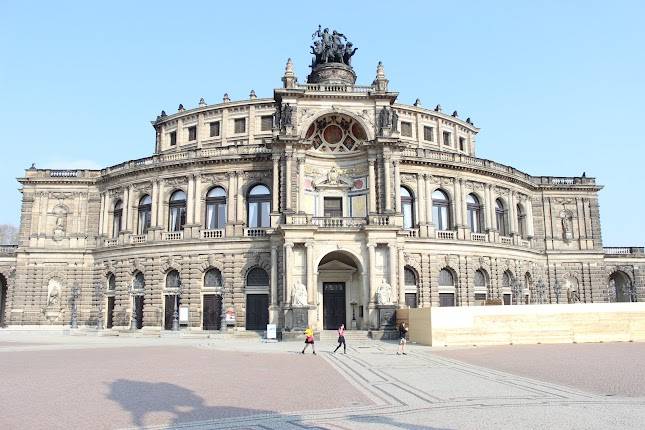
{"x": 309, "y": 340}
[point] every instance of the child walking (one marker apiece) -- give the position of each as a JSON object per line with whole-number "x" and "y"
{"x": 309, "y": 340}
{"x": 403, "y": 331}
{"x": 341, "y": 339}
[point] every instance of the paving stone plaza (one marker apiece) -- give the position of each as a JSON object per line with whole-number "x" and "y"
{"x": 130, "y": 382}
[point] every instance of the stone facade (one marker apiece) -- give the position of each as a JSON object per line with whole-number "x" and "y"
{"x": 353, "y": 204}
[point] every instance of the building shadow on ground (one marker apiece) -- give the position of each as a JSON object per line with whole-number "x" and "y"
{"x": 141, "y": 399}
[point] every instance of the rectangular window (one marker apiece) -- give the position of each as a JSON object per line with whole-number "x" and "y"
{"x": 266, "y": 123}
{"x": 333, "y": 207}
{"x": 192, "y": 133}
{"x": 446, "y": 138}
{"x": 428, "y": 133}
{"x": 411, "y": 300}
{"x": 507, "y": 299}
{"x": 173, "y": 138}
{"x": 406, "y": 129}
{"x": 214, "y": 126}
{"x": 446, "y": 299}
{"x": 480, "y": 297}
{"x": 462, "y": 143}
{"x": 240, "y": 125}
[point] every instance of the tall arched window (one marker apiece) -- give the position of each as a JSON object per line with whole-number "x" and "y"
{"x": 145, "y": 214}
{"x": 173, "y": 280}
{"x": 529, "y": 290}
{"x": 213, "y": 279}
{"x": 507, "y": 282}
{"x": 446, "y": 288}
{"x": 481, "y": 286}
{"x": 441, "y": 210}
{"x": 259, "y": 206}
{"x": 117, "y": 222}
{"x": 501, "y": 216}
{"x": 410, "y": 280}
{"x": 109, "y": 311}
{"x": 111, "y": 284}
{"x": 177, "y": 206}
{"x": 139, "y": 281}
{"x": 474, "y": 210}
{"x": 521, "y": 221}
{"x": 407, "y": 208}
{"x": 216, "y": 208}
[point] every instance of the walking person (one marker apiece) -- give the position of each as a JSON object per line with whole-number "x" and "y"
{"x": 309, "y": 340}
{"x": 341, "y": 339}
{"x": 403, "y": 331}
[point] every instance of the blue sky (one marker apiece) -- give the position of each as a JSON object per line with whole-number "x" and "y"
{"x": 556, "y": 86}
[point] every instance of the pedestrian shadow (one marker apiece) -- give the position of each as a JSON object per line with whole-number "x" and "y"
{"x": 141, "y": 398}
{"x": 381, "y": 420}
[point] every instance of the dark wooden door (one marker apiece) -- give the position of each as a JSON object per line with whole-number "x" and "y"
{"x": 138, "y": 311}
{"x": 169, "y": 311}
{"x": 257, "y": 311}
{"x": 110, "y": 312}
{"x": 212, "y": 311}
{"x": 333, "y": 305}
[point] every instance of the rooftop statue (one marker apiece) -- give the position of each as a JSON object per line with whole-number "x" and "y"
{"x": 331, "y": 48}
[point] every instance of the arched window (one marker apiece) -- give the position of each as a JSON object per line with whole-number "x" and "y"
{"x": 145, "y": 214}
{"x": 213, "y": 279}
{"x": 441, "y": 210}
{"x": 480, "y": 280}
{"x": 529, "y": 292}
{"x": 111, "y": 282}
{"x": 259, "y": 206}
{"x": 173, "y": 280}
{"x": 139, "y": 281}
{"x": 407, "y": 208}
{"x": 257, "y": 277}
{"x": 620, "y": 288}
{"x": 410, "y": 280}
{"x": 216, "y": 208}
{"x": 521, "y": 221}
{"x": 474, "y": 210}
{"x": 446, "y": 288}
{"x": 507, "y": 282}
{"x": 118, "y": 218}
{"x": 501, "y": 216}
{"x": 177, "y": 206}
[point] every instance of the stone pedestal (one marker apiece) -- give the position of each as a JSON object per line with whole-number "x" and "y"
{"x": 300, "y": 318}
{"x": 332, "y": 73}
{"x": 386, "y": 317}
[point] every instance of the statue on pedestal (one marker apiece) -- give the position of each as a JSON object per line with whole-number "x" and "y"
{"x": 384, "y": 293}
{"x": 299, "y": 294}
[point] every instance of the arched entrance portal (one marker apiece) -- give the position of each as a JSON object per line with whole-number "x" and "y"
{"x": 620, "y": 287}
{"x": 340, "y": 287}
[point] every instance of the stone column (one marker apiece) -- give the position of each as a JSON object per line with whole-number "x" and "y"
{"x": 457, "y": 202}
{"x": 287, "y": 179}
{"x": 274, "y": 275}
{"x": 311, "y": 289}
{"x": 421, "y": 200}
{"x": 106, "y": 215}
{"x": 464, "y": 210}
{"x": 397, "y": 187}
{"x": 155, "y": 203}
{"x": 366, "y": 299}
{"x": 388, "y": 184}
{"x": 512, "y": 212}
{"x": 529, "y": 218}
{"x": 371, "y": 248}
{"x": 288, "y": 260}
{"x": 401, "y": 274}
{"x": 486, "y": 208}
{"x": 490, "y": 206}
{"x": 301, "y": 184}
{"x": 101, "y": 215}
{"x": 428, "y": 198}
{"x": 394, "y": 273}
{"x": 126, "y": 208}
{"x": 198, "y": 211}
{"x": 230, "y": 198}
{"x": 160, "y": 220}
{"x": 372, "y": 186}
{"x": 275, "y": 192}
{"x": 240, "y": 199}
{"x": 190, "y": 201}
{"x": 132, "y": 209}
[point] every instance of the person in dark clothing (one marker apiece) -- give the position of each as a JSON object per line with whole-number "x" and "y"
{"x": 341, "y": 339}
{"x": 403, "y": 331}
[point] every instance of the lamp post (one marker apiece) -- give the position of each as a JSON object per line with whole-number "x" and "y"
{"x": 76, "y": 291}
{"x": 175, "y": 315}
{"x": 540, "y": 290}
{"x": 557, "y": 289}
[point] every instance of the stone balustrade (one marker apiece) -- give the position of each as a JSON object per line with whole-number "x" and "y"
{"x": 626, "y": 250}
{"x": 172, "y": 235}
{"x": 446, "y": 234}
{"x": 255, "y": 232}
{"x": 338, "y": 222}
{"x": 478, "y": 237}
{"x": 212, "y": 234}
{"x": 138, "y": 238}
{"x": 8, "y": 249}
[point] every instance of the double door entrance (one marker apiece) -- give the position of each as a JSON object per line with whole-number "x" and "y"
{"x": 333, "y": 305}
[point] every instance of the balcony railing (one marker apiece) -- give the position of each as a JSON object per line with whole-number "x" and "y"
{"x": 624, "y": 250}
{"x": 338, "y": 222}
{"x": 506, "y": 240}
{"x": 478, "y": 237}
{"x": 411, "y": 232}
{"x": 172, "y": 235}
{"x": 525, "y": 243}
{"x": 111, "y": 242}
{"x": 212, "y": 234}
{"x": 255, "y": 232}
{"x": 8, "y": 249}
{"x": 138, "y": 238}
{"x": 445, "y": 234}
{"x": 380, "y": 220}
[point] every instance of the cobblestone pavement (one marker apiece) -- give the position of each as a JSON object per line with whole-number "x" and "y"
{"x": 91, "y": 382}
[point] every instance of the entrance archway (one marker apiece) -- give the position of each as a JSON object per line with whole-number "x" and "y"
{"x": 620, "y": 287}
{"x": 3, "y": 300}
{"x": 340, "y": 291}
